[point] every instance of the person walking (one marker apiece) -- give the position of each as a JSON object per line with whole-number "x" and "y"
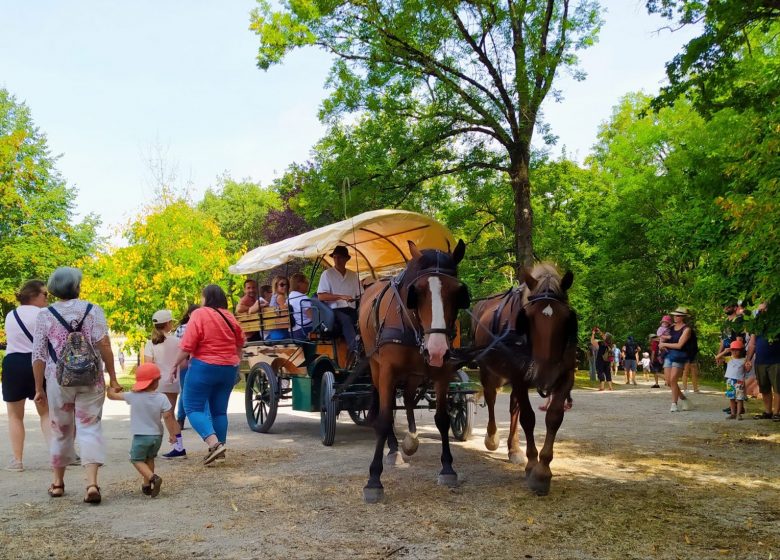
{"x": 630, "y": 358}
{"x": 121, "y": 359}
{"x": 162, "y": 350}
{"x": 79, "y": 407}
{"x": 213, "y": 342}
{"x": 604, "y": 357}
{"x": 676, "y": 357}
{"x": 17, "y": 370}
{"x": 181, "y": 415}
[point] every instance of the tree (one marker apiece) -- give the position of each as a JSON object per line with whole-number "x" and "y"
{"x": 466, "y": 77}
{"x": 172, "y": 252}
{"x": 37, "y": 229}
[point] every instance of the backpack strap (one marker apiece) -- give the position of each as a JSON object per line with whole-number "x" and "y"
{"x": 65, "y": 324}
{"x": 22, "y": 326}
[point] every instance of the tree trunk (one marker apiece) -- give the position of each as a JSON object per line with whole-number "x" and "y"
{"x": 524, "y": 218}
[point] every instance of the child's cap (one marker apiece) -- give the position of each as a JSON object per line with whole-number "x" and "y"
{"x": 645, "y": 355}
{"x": 666, "y": 318}
{"x": 162, "y": 316}
{"x": 737, "y": 345}
{"x": 145, "y": 375}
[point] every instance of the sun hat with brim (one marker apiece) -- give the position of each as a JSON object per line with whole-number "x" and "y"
{"x": 342, "y": 251}
{"x": 737, "y": 345}
{"x": 680, "y": 311}
{"x": 162, "y": 316}
{"x": 145, "y": 375}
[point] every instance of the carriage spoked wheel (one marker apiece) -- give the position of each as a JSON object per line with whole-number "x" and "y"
{"x": 261, "y": 397}
{"x": 462, "y": 408}
{"x": 359, "y": 417}
{"x": 328, "y": 410}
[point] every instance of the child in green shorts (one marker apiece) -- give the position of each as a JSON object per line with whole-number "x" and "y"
{"x": 147, "y": 408}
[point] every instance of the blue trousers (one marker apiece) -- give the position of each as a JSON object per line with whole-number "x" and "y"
{"x": 210, "y": 385}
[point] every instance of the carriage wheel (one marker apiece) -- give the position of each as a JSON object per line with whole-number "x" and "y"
{"x": 462, "y": 409}
{"x": 261, "y": 397}
{"x": 359, "y": 417}
{"x": 327, "y": 409}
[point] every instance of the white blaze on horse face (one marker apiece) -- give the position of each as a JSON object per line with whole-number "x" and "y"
{"x": 436, "y": 344}
{"x": 547, "y": 311}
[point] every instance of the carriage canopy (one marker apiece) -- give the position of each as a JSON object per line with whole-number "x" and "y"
{"x": 377, "y": 241}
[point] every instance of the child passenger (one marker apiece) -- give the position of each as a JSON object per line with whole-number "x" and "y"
{"x": 147, "y": 407}
{"x": 735, "y": 379}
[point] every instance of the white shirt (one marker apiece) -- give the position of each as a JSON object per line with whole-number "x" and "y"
{"x": 735, "y": 369}
{"x": 18, "y": 343}
{"x": 332, "y": 282}
{"x": 164, "y": 355}
{"x": 299, "y": 303}
{"x": 146, "y": 409}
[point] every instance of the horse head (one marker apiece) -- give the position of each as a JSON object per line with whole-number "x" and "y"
{"x": 434, "y": 295}
{"x": 550, "y": 322}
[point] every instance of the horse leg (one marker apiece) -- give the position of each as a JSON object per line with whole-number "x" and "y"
{"x": 447, "y": 476}
{"x": 393, "y": 458}
{"x": 373, "y": 490}
{"x": 491, "y": 391}
{"x": 538, "y": 479}
{"x": 513, "y": 441}
{"x": 528, "y": 422}
{"x": 410, "y": 443}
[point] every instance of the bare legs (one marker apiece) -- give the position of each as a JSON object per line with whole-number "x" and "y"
{"x": 16, "y": 430}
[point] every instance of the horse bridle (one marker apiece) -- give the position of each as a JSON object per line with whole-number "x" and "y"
{"x": 440, "y": 272}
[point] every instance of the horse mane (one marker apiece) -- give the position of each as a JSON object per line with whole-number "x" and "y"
{"x": 549, "y": 283}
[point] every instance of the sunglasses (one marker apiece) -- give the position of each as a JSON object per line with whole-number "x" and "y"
{"x": 282, "y": 285}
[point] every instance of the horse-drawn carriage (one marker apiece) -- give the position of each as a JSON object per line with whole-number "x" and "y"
{"x": 317, "y": 373}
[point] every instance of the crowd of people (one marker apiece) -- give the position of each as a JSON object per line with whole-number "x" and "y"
{"x": 751, "y": 362}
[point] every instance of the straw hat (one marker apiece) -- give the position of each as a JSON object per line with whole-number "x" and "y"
{"x": 680, "y": 311}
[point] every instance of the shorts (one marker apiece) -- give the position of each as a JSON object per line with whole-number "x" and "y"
{"x": 735, "y": 389}
{"x": 768, "y": 376}
{"x": 668, "y": 363}
{"x": 18, "y": 378}
{"x": 144, "y": 448}
{"x": 629, "y": 365}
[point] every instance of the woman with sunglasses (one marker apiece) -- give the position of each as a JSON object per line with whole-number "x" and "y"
{"x": 279, "y": 303}
{"x": 18, "y": 379}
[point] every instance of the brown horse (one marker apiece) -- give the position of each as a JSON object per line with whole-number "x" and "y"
{"x": 407, "y": 325}
{"x": 542, "y": 354}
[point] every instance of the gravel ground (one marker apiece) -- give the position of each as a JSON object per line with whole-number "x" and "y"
{"x": 631, "y": 480}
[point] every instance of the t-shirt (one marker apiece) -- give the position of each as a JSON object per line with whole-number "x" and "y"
{"x": 767, "y": 351}
{"x": 603, "y": 353}
{"x": 247, "y": 301}
{"x": 164, "y": 355}
{"x": 14, "y": 335}
{"x": 332, "y": 282}
{"x": 630, "y": 351}
{"x": 210, "y": 339}
{"x": 616, "y": 353}
{"x": 146, "y": 409}
{"x": 735, "y": 369}
{"x": 645, "y": 363}
{"x": 299, "y": 303}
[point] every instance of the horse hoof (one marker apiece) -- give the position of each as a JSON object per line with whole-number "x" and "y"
{"x": 410, "y": 444}
{"x": 395, "y": 460}
{"x": 491, "y": 442}
{"x": 540, "y": 487}
{"x": 373, "y": 495}
{"x": 450, "y": 480}
{"x": 516, "y": 458}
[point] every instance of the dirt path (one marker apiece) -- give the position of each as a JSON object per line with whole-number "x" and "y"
{"x": 630, "y": 480}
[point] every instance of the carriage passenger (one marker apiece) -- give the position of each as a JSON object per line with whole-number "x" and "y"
{"x": 339, "y": 288}
{"x": 278, "y": 301}
{"x": 300, "y": 304}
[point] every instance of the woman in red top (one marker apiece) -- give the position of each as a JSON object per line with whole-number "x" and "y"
{"x": 213, "y": 341}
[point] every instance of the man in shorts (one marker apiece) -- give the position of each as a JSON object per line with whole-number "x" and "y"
{"x": 765, "y": 355}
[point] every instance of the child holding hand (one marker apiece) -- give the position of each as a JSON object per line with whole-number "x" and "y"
{"x": 735, "y": 378}
{"x": 147, "y": 410}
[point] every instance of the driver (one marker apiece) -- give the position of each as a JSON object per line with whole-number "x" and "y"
{"x": 338, "y": 288}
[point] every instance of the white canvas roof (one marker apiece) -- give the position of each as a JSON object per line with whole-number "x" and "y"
{"x": 377, "y": 241}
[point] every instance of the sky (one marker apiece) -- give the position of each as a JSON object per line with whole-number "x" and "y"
{"x": 115, "y": 84}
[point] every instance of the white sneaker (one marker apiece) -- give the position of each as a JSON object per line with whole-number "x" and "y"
{"x": 674, "y": 407}
{"x": 685, "y": 405}
{"x": 15, "y": 466}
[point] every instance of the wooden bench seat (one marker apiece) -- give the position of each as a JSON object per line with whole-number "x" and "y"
{"x": 267, "y": 319}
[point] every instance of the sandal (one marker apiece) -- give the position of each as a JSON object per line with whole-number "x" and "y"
{"x": 56, "y": 490}
{"x": 146, "y": 489}
{"x": 763, "y": 416}
{"x": 776, "y": 418}
{"x": 155, "y": 482}
{"x": 92, "y": 497}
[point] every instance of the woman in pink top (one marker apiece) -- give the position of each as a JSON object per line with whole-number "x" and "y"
{"x": 213, "y": 341}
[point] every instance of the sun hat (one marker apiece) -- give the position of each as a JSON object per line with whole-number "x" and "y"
{"x": 342, "y": 251}
{"x": 145, "y": 375}
{"x": 680, "y": 311}
{"x": 666, "y": 319}
{"x": 162, "y": 316}
{"x": 737, "y": 345}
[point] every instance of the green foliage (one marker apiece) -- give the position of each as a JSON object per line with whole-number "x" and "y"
{"x": 172, "y": 252}
{"x": 37, "y": 233}
{"x": 439, "y": 89}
